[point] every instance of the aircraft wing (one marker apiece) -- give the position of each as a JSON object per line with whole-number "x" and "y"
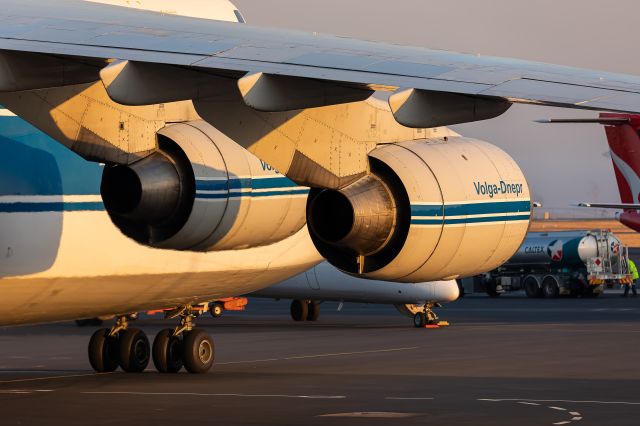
{"x": 78, "y": 31}
{"x": 623, "y": 206}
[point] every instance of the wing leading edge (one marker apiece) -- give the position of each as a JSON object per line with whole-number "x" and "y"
{"x": 75, "y": 29}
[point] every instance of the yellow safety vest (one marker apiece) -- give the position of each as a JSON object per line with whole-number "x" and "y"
{"x": 633, "y": 270}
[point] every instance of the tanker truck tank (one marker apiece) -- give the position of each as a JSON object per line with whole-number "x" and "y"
{"x": 549, "y": 264}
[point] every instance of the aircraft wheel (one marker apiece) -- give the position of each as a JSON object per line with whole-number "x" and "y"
{"x": 198, "y": 351}
{"x": 216, "y": 310}
{"x": 167, "y": 352}
{"x": 103, "y": 355}
{"x": 314, "y": 311}
{"x": 299, "y": 310}
{"x": 134, "y": 351}
{"x": 419, "y": 320}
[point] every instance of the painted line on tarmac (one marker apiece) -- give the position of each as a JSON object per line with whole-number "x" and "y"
{"x": 24, "y": 391}
{"x": 216, "y": 394}
{"x": 69, "y": 376}
{"x": 399, "y": 398}
{"x": 373, "y": 415}
{"x": 576, "y": 416}
{"x": 291, "y": 358}
{"x": 562, "y": 400}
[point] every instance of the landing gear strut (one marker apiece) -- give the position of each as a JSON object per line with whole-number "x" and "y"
{"x": 183, "y": 346}
{"x": 119, "y": 346}
{"x": 305, "y": 310}
{"x": 427, "y": 316}
{"x": 129, "y": 349}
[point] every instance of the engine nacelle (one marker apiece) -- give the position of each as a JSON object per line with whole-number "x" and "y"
{"x": 201, "y": 191}
{"x": 429, "y": 210}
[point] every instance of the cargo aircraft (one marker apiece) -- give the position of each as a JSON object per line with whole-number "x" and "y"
{"x": 198, "y": 157}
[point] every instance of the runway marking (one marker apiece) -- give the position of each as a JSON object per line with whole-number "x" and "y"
{"x": 562, "y": 423}
{"x": 527, "y": 403}
{"x": 216, "y": 394}
{"x": 35, "y": 379}
{"x": 290, "y": 358}
{"x": 558, "y": 408}
{"x": 398, "y": 398}
{"x": 575, "y": 413}
{"x": 24, "y": 391}
{"x": 374, "y": 415}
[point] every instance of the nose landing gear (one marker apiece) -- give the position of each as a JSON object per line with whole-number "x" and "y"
{"x": 428, "y": 318}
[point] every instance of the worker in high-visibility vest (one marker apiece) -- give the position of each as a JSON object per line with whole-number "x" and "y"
{"x": 633, "y": 270}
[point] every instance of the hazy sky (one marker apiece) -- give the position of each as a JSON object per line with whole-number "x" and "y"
{"x": 563, "y": 163}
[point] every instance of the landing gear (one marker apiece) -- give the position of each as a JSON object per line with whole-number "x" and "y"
{"x": 305, "y": 310}
{"x": 134, "y": 351}
{"x": 184, "y": 346}
{"x": 198, "y": 351}
{"x": 427, "y": 317}
{"x": 119, "y": 346}
{"x": 167, "y": 352}
{"x": 129, "y": 348}
{"x": 103, "y": 352}
{"x": 216, "y": 310}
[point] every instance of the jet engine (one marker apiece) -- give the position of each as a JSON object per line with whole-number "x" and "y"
{"x": 201, "y": 191}
{"x": 429, "y": 210}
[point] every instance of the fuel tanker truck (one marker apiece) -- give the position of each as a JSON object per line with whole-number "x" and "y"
{"x": 551, "y": 264}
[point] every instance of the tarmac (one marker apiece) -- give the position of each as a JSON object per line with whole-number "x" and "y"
{"x": 504, "y": 361}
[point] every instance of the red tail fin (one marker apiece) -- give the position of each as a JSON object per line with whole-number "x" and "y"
{"x": 624, "y": 141}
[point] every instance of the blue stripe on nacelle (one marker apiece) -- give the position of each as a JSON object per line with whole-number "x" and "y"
{"x": 494, "y": 207}
{"x": 225, "y": 195}
{"x": 270, "y": 182}
{"x": 470, "y": 220}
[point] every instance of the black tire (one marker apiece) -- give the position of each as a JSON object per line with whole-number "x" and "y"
{"x": 134, "y": 352}
{"x": 198, "y": 351}
{"x": 167, "y": 352}
{"x": 492, "y": 288}
{"x": 103, "y": 354}
{"x": 216, "y": 310}
{"x": 531, "y": 287}
{"x": 299, "y": 310}
{"x": 550, "y": 287}
{"x": 419, "y": 320}
{"x": 314, "y": 311}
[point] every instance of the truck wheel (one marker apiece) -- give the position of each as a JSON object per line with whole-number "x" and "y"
{"x": 550, "y": 287}
{"x": 531, "y": 287}
{"x": 492, "y": 288}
